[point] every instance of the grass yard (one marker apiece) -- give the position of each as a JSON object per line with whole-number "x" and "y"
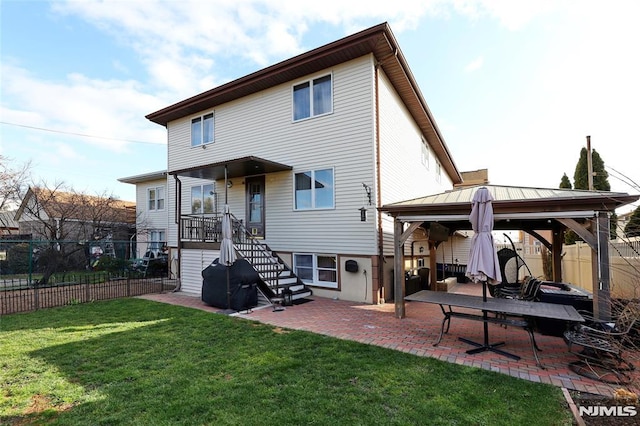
{"x": 132, "y": 361}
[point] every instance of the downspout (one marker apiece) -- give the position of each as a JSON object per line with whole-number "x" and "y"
{"x": 379, "y": 190}
{"x": 178, "y": 221}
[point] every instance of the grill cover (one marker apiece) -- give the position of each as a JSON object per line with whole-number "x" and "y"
{"x": 243, "y": 285}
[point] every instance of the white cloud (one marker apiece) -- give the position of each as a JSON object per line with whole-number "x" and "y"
{"x": 81, "y": 106}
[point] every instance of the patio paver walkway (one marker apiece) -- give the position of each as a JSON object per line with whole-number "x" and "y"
{"x": 416, "y": 333}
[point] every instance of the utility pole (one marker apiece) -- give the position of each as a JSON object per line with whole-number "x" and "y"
{"x": 589, "y": 164}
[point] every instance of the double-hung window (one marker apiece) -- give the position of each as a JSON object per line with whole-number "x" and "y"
{"x": 424, "y": 154}
{"x": 202, "y": 199}
{"x": 157, "y": 239}
{"x": 156, "y": 198}
{"x": 312, "y": 98}
{"x": 314, "y": 190}
{"x": 317, "y": 269}
{"x": 202, "y": 130}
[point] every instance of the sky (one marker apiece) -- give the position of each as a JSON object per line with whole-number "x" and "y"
{"x": 514, "y": 86}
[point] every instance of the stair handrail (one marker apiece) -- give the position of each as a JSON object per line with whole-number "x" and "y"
{"x": 255, "y": 243}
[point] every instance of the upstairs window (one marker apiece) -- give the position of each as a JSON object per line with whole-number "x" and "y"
{"x": 202, "y": 199}
{"x": 312, "y": 98}
{"x": 202, "y": 130}
{"x": 156, "y": 198}
{"x": 314, "y": 190}
{"x": 424, "y": 155}
{"x": 438, "y": 172}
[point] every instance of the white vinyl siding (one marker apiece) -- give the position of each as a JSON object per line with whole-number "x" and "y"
{"x": 260, "y": 125}
{"x": 402, "y": 172}
{"x": 193, "y": 263}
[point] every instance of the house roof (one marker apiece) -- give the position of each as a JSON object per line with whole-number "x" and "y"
{"x": 7, "y": 220}
{"x": 145, "y": 177}
{"x": 378, "y": 41}
{"x": 513, "y": 207}
{"x": 57, "y": 204}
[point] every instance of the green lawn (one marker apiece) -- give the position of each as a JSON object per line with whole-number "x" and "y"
{"x": 132, "y": 361}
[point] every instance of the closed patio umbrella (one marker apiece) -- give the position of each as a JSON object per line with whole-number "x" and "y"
{"x": 483, "y": 263}
{"x": 227, "y": 253}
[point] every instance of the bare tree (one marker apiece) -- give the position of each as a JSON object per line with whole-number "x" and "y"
{"x": 13, "y": 184}
{"x": 67, "y": 221}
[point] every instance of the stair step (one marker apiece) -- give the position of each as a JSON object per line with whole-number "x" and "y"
{"x": 295, "y": 288}
{"x": 301, "y": 295}
{"x": 288, "y": 282}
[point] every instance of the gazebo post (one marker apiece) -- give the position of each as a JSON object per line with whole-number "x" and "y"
{"x": 556, "y": 253}
{"x": 398, "y": 268}
{"x": 601, "y": 271}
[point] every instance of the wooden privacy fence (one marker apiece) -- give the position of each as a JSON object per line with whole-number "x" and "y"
{"x": 18, "y": 296}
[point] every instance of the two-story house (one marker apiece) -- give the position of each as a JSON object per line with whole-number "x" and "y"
{"x": 304, "y": 152}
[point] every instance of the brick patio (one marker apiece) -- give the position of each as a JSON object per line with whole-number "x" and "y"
{"x": 415, "y": 334}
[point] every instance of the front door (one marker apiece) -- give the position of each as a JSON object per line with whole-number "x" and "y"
{"x": 255, "y": 205}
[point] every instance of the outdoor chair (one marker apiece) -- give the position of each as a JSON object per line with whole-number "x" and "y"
{"x": 603, "y": 345}
{"x": 527, "y": 291}
{"x": 510, "y": 264}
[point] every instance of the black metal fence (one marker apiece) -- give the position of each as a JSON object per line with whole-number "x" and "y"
{"x": 21, "y": 295}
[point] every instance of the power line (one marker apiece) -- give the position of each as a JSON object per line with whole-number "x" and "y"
{"x": 626, "y": 179}
{"x": 77, "y": 134}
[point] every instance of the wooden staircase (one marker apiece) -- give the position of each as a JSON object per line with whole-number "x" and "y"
{"x": 277, "y": 279}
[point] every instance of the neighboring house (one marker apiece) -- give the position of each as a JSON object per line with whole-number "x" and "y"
{"x": 68, "y": 221}
{"x": 304, "y": 152}
{"x": 152, "y": 218}
{"x": 152, "y": 221}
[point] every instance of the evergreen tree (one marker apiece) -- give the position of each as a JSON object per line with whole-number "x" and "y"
{"x": 633, "y": 226}
{"x": 581, "y": 174}
{"x": 600, "y": 183}
{"x": 565, "y": 183}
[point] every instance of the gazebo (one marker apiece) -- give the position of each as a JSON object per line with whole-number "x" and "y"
{"x": 587, "y": 213}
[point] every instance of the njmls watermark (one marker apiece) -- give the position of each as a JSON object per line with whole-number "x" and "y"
{"x": 611, "y": 411}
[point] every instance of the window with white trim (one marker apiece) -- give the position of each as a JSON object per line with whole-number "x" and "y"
{"x": 424, "y": 153}
{"x": 202, "y": 130}
{"x": 202, "y": 199}
{"x": 313, "y": 98}
{"x": 157, "y": 240}
{"x": 314, "y": 190}
{"x": 320, "y": 270}
{"x": 438, "y": 172}
{"x": 155, "y": 197}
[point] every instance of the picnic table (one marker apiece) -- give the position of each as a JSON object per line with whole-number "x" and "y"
{"x": 518, "y": 313}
